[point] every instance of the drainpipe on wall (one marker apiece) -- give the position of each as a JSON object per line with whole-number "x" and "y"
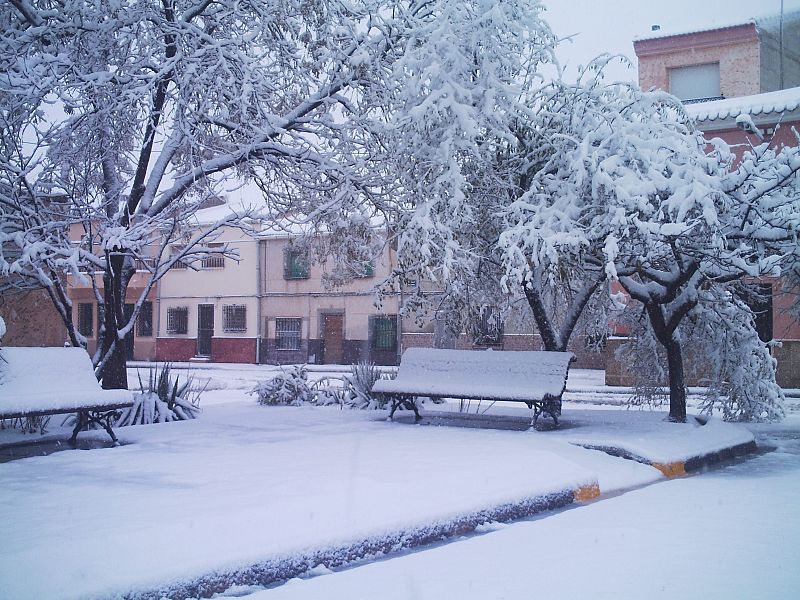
{"x": 158, "y": 318}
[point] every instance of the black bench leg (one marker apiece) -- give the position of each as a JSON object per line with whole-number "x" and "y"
{"x": 105, "y": 421}
{"x": 413, "y": 404}
{"x": 80, "y": 423}
{"x": 407, "y": 402}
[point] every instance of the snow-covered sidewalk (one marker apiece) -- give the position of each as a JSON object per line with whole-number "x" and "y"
{"x": 730, "y": 533}
{"x": 247, "y": 485}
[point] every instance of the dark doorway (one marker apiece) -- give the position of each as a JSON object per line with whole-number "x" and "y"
{"x": 332, "y": 339}
{"x": 205, "y": 328}
{"x": 128, "y": 341}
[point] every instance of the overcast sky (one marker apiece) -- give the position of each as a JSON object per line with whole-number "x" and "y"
{"x": 611, "y": 25}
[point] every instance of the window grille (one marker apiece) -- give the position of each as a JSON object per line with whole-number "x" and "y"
{"x": 384, "y": 333}
{"x": 144, "y": 322}
{"x": 179, "y": 264}
{"x": 178, "y": 319}
{"x": 146, "y": 264}
{"x": 287, "y": 334}
{"x": 489, "y": 329}
{"x": 365, "y": 270}
{"x": 214, "y": 261}
{"x": 86, "y": 319}
{"x": 295, "y": 265}
{"x": 234, "y": 318}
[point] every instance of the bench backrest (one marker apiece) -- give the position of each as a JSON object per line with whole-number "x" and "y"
{"x": 50, "y": 378}
{"x": 523, "y": 374}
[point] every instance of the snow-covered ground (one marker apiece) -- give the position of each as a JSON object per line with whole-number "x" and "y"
{"x": 247, "y": 484}
{"x": 729, "y": 533}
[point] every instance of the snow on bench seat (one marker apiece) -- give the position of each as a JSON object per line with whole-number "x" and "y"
{"x": 47, "y": 381}
{"x": 531, "y": 377}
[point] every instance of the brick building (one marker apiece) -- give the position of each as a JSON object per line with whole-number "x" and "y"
{"x": 750, "y": 70}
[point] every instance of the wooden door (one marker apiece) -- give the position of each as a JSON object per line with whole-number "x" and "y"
{"x": 205, "y": 328}
{"x": 332, "y": 339}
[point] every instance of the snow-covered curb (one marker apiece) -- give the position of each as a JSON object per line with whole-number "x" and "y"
{"x": 719, "y": 441}
{"x": 283, "y": 568}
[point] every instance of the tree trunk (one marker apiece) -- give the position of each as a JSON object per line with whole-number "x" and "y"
{"x": 114, "y": 374}
{"x": 677, "y": 387}
{"x": 665, "y": 334}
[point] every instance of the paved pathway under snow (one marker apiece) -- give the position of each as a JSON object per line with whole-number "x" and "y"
{"x": 733, "y": 532}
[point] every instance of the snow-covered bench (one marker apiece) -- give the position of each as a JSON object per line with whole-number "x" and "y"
{"x": 536, "y": 378}
{"x": 50, "y": 381}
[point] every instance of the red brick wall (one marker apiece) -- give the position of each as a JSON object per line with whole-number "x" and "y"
{"x": 233, "y": 350}
{"x": 175, "y": 349}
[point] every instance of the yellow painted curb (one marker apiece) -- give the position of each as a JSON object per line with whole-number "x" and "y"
{"x": 671, "y": 470}
{"x": 586, "y": 493}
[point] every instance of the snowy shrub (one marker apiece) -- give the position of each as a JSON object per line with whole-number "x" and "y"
{"x": 327, "y": 391}
{"x": 28, "y": 424}
{"x": 358, "y": 387}
{"x": 289, "y": 387}
{"x": 163, "y": 400}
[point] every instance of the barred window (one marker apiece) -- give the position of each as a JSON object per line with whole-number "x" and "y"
{"x": 384, "y": 333}
{"x": 147, "y": 263}
{"x": 214, "y": 261}
{"x": 287, "y": 334}
{"x": 295, "y": 265}
{"x": 144, "y": 322}
{"x": 178, "y": 319}
{"x": 234, "y": 318}
{"x": 488, "y": 330}
{"x": 366, "y": 269}
{"x": 179, "y": 264}
{"x": 86, "y": 319}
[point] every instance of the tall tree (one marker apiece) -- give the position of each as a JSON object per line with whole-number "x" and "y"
{"x": 139, "y": 110}
{"x": 638, "y": 192}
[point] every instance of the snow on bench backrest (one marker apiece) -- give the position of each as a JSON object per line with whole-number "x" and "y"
{"x": 487, "y": 374}
{"x": 42, "y": 379}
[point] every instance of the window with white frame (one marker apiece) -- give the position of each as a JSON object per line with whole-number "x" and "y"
{"x": 234, "y": 318}
{"x": 178, "y": 319}
{"x": 287, "y": 334}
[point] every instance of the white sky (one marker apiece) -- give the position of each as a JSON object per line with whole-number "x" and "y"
{"x": 611, "y": 25}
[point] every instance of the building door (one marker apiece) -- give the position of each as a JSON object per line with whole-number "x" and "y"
{"x": 205, "y": 328}
{"x": 128, "y": 342}
{"x": 332, "y": 339}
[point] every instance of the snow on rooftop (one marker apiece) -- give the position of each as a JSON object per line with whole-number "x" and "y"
{"x": 780, "y": 101}
{"x": 767, "y": 19}
{"x": 666, "y": 32}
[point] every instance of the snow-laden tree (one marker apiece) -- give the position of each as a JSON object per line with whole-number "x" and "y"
{"x": 123, "y": 117}
{"x": 449, "y": 130}
{"x": 634, "y": 190}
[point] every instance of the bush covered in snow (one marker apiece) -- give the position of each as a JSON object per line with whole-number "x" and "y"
{"x": 289, "y": 387}
{"x": 163, "y": 400}
{"x": 358, "y": 387}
